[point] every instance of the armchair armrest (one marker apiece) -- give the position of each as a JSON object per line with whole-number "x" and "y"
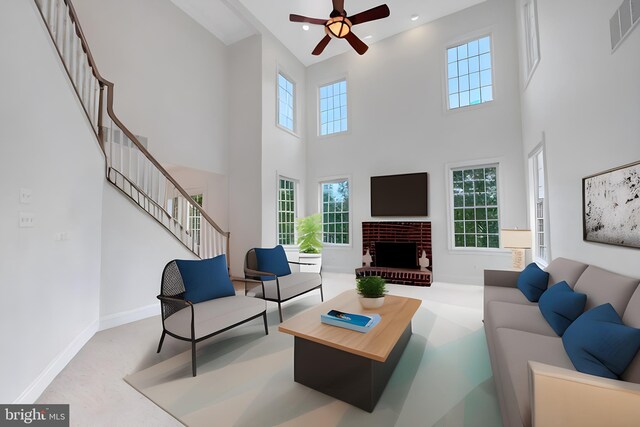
{"x": 173, "y": 300}
{"x": 562, "y": 397}
{"x": 247, "y": 280}
{"x": 256, "y": 273}
{"x": 502, "y": 278}
{"x": 300, "y": 263}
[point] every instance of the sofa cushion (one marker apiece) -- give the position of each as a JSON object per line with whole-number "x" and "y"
{"x": 533, "y": 282}
{"x": 213, "y": 315}
{"x": 499, "y": 293}
{"x": 516, "y": 316}
{"x": 515, "y": 349}
{"x": 598, "y": 343}
{"x": 562, "y": 269}
{"x": 273, "y": 260}
{"x": 602, "y": 286}
{"x": 205, "y": 279}
{"x": 290, "y": 286}
{"x": 632, "y": 318}
{"x": 560, "y": 306}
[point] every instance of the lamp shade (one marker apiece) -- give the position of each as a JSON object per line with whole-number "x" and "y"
{"x": 515, "y": 239}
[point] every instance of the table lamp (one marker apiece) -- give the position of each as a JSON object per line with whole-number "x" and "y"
{"x": 517, "y": 241}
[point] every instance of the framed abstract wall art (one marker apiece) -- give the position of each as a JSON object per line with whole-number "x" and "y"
{"x": 611, "y": 206}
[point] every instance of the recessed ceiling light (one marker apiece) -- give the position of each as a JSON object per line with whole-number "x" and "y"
{"x": 415, "y": 17}
{"x": 305, "y": 27}
{"x": 367, "y": 37}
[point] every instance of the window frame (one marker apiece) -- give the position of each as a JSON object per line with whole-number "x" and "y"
{"x": 333, "y": 180}
{"x": 473, "y": 164}
{"x": 530, "y": 68}
{"x": 532, "y": 165}
{"x": 293, "y": 131}
{"x": 487, "y": 32}
{"x": 319, "y": 112}
{"x": 296, "y": 184}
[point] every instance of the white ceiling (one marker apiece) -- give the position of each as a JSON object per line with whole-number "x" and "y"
{"x": 233, "y": 20}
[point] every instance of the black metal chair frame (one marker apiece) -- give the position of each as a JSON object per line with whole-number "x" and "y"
{"x": 256, "y": 276}
{"x": 171, "y": 304}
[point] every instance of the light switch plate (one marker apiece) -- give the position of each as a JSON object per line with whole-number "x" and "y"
{"x": 27, "y": 220}
{"x": 25, "y": 196}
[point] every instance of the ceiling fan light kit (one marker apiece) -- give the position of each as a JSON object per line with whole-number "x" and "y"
{"x": 339, "y": 25}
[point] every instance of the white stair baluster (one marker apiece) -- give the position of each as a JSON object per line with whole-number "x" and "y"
{"x": 60, "y": 22}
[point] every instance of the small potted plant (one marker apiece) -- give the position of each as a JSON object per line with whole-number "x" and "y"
{"x": 309, "y": 231}
{"x": 371, "y": 290}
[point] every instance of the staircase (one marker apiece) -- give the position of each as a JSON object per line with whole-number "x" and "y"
{"x": 129, "y": 166}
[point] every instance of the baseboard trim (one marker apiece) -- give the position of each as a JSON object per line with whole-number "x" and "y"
{"x": 31, "y": 394}
{"x": 124, "y": 317}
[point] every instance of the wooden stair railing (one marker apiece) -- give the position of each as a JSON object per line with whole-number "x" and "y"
{"x": 129, "y": 165}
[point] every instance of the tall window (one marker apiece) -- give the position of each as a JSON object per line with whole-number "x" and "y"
{"x": 335, "y": 211}
{"x": 470, "y": 79}
{"x": 532, "y": 47}
{"x": 539, "y": 206}
{"x": 286, "y": 103}
{"x": 475, "y": 207}
{"x": 333, "y": 108}
{"x": 286, "y": 211}
{"x": 195, "y": 218}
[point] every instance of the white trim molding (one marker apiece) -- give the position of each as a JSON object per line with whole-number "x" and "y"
{"x": 42, "y": 381}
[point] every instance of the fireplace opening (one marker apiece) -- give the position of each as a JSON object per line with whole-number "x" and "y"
{"x": 396, "y": 255}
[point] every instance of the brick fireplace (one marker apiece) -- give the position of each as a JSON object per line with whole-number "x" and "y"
{"x": 405, "y": 234}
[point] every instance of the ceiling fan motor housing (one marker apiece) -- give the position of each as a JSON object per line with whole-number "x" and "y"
{"x": 338, "y": 27}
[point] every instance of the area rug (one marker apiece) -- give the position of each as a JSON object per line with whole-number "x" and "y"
{"x": 246, "y": 379}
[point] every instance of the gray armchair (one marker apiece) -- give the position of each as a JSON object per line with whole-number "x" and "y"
{"x": 277, "y": 286}
{"x": 195, "y": 322}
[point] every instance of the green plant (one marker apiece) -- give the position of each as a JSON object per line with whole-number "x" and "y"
{"x": 371, "y": 286}
{"x": 310, "y": 234}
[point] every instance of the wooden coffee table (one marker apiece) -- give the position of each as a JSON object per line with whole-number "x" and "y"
{"x": 348, "y": 365}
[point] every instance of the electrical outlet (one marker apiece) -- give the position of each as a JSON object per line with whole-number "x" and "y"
{"x": 27, "y": 220}
{"x": 25, "y": 196}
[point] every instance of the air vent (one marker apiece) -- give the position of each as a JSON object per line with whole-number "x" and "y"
{"x": 623, "y": 21}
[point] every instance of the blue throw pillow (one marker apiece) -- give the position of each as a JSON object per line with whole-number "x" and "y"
{"x": 598, "y": 343}
{"x": 205, "y": 279}
{"x": 532, "y": 282}
{"x": 274, "y": 261}
{"x": 560, "y": 306}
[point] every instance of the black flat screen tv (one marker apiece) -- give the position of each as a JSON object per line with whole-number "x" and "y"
{"x": 400, "y": 195}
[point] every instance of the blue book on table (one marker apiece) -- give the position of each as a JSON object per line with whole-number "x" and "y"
{"x": 356, "y": 322}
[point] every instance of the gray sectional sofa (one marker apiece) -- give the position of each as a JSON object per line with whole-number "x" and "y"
{"x": 536, "y": 382}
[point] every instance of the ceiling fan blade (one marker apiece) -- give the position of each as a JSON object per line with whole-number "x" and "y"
{"x": 300, "y": 18}
{"x": 379, "y": 12}
{"x": 320, "y": 47}
{"x": 338, "y": 5}
{"x": 356, "y": 43}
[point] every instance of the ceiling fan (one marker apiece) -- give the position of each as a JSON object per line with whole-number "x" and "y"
{"x": 339, "y": 25}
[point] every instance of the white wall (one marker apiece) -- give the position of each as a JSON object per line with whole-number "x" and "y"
{"x": 245, "y": 149}
{"x": 399, "y": 124}
{"x": 586, "y": 101}
{"x": 170, "y": 77}
{"x": 135, "y": 249}
{"x": 50, "y": 288}
{"x": 283, "y": 153}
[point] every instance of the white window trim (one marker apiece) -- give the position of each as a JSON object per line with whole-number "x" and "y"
{"x": 296, "y": 187}
{"x": 445, "y": 70}
{"x": 329, "y": 180}
{"x": 532, "y": 208}
{"x": 529, "y": 72}
{"x": 318, "y": 124}
{"x": 449, "y": 167}
{"x": 295, "y": 132}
